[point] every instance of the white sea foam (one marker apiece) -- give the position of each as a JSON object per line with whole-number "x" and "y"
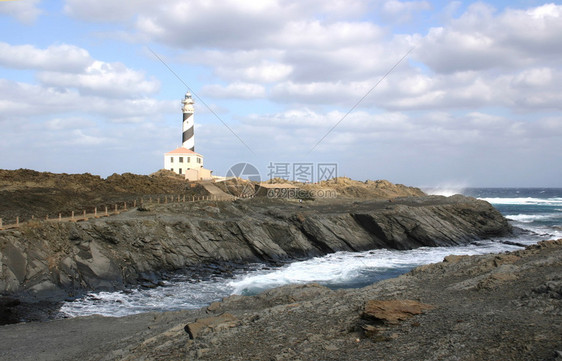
{"x": 334, "y": 270}
{"x": 174, "y": 296}
{"x": 530, "y": 218}
{"x": 446, "y": 190}
{"x": 525, "y": 201}
{"x": 343, "y": 267}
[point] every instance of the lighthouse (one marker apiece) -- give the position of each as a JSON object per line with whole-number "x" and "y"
{"x": 188, "y": 134}
{"x": 184, "y": 160}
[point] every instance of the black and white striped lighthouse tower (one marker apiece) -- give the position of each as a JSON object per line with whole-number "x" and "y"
{"x": 188, "y": 137}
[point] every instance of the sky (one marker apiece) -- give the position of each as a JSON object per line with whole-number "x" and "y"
{"x": 423, "y": 93}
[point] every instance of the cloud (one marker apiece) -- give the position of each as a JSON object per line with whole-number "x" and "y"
{"x": 481, "y": 40}
{"x": 67, "y": 68}
{"x": 25, "y": 11}
{"x": 266, "y": 72}
{"x": 63, "y": 57}
{"x": 109, "y": 79}
{"x": 230, "y": 24}
{"x": 107, "y": 10}
{"x": 68, "y": 123}
{"x": 402, "y": 11}
{"x": 235, "y": 91}
{"x": 313, "y": 52}
{"x": 30, "y": 100}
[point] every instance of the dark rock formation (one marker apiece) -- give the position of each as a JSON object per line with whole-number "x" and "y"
{"x": 57, "y": 260}
{"x": 512, "y": 318}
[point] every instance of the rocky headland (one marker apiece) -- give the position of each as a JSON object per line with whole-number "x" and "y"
{"x": 52, "y": 261}
{"x": 44, "y": 262}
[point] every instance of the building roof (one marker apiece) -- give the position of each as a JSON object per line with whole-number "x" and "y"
{"x": 182, "y": 150}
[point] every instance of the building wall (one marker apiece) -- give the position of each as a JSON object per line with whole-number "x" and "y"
{"x": 198, "y": 174}
{"x": 180, "y": 163}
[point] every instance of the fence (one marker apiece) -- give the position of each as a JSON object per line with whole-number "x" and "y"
{"x": 117, "y": 208}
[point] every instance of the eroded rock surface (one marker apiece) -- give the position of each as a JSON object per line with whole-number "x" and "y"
{"x": 512, "y": 318}
{"x": 57, "y": 260}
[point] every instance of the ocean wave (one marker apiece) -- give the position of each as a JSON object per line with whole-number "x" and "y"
{"x": 341, "y": 268}
{"x": 530, "y": 218}
{"x": 337, "y": 270}
{"x": 446, "y": 191}
{"x": 525, "y": 201}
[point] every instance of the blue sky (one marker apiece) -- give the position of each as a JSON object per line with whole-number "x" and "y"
{"x": 476, "y": 102}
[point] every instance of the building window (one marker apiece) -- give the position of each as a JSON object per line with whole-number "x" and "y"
{"x": 198, "y": 160}
{"x": 180, "y": 169}
{"x": 181, "y": 159}
{"x": 188, "y": 159}
{"x": 171, "y": 159}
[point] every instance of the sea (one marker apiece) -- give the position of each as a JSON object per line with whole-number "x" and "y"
{"x": 536, "y": 214}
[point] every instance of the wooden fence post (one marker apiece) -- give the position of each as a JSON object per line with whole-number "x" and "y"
{"x": 17, "y": 221}
{"x": 84, "y": 213}
{"x": 115, "y": 208}
{"x": 106, "y": 211}
{"x": 134, "y": 203}
{"x": 125, "y": 205}
{"x": 60, "y": 217}
{"x": 96, "y": 212}
{"x": 72, "y": 217}
{"x": 0, "y": 223}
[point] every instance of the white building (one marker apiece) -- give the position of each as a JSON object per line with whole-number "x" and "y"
{"x": 184, "y": 160}
{"x": 181, "y": 159}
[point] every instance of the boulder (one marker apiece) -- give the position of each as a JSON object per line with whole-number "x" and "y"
{"x": 210, "y": 324}
{"x": 391, "y": 312}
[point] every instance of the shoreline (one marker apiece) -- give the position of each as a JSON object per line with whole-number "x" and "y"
{"x": 59, "y": 261}
{"x": 468, "y": 319}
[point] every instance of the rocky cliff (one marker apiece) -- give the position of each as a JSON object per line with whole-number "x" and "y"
{"x": 490, "y": 307}
{"x": 57, "y": 260}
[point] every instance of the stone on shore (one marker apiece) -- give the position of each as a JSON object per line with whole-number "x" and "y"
{"x": 391, "y": 312}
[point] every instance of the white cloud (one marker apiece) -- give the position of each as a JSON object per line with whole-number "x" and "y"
{"x": 225, "y": 24}
{"x": 267, "y": 72}
{"x": 402, "y": 11}
{"x": 482, "y": 40}
{"x": 235, "y": 91}
{"x": 107, "y": 10}
{"x": 305, "y": 53}
{"x": 64, "y": 57}
{"x": 68, "y": 123}
{"x": 22, "y": 100}
{"x": 68, "y": 68}
{"x": 25, "y": 11}
{"x": 109, "y": 79}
